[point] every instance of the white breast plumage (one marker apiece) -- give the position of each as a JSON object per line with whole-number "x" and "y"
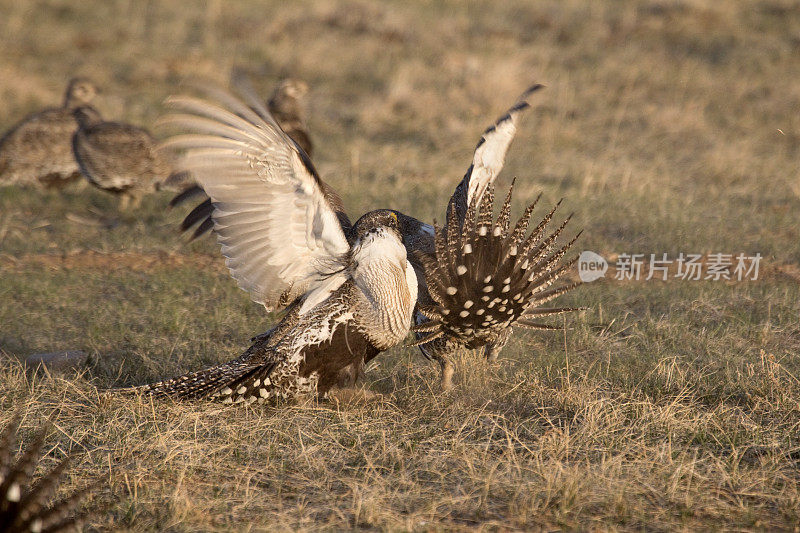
{"x": 389, "y": 286}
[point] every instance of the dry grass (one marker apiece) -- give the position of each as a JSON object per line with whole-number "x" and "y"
{"x": 668, "y": 125}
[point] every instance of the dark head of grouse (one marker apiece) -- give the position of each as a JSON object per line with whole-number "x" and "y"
{"x": 376, "y": 222}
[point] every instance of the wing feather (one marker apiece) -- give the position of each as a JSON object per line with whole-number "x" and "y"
{"x": 490, "y": 154}
{"x": 276, "y": 228}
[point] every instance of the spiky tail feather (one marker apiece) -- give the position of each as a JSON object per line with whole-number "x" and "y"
{"x": 24, "y": 506}
{"x": 233, "y": 382}
{"x": 485, "y": 277}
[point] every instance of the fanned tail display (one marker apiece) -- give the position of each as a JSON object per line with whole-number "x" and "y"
{"x": 486, "y": 277}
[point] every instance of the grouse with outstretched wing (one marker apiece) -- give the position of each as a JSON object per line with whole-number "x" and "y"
{"x": 348, "y": 288}
{"x": 421, "y": 240}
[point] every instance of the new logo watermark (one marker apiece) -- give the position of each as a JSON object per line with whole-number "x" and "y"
{"x": 690, "y": 267}
{"x": 591, "y": 266}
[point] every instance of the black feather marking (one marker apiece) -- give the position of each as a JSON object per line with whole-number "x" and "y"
{"x": 536, "y": 235}
{"x": 524, "y": 324}
{"x": 544, "y": 267}
{"x": 550, "y": 311}
{"x": 547, "y": 278}
{"x": 202, "y": 211}
{"x": 520, "y": 228}
{"x": 426, "y": 339}
{"x": 427, "y": 327}
{"x": 204, "y": 227}
{"x": 550, "y": 294}
{"x": 187, "y": 194}
{"x": 504, "y": 220}
{"x": 486, "y": 208}
{"x": 430, "y": 311}
{"x": 453, "y": 232}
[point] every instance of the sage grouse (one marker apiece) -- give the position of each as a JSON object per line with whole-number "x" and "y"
{"x": 524, "y": 262}
{"x": 480, "y": 280}
{"x": 38, "y": 150}
{"x": 349, "y": 288}
{"x": 119, "y": 158}
{"x": 25, "y": 506}
{"x": 287, "y": 105}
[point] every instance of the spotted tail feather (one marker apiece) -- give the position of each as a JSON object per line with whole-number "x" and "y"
{"x": 486, "y": 277}
{"x": 26, "y": 506}
{"x": 240, "y": 380}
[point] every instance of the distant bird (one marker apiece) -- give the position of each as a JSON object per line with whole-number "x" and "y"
{"x": 464, "y": 267}
{"x": 119, "y": 158}
{"x": 287, "y": 105}
{"x": 38, "y": 150}
{"x": 26, "y": 506}
{"x": 349, "y": 288}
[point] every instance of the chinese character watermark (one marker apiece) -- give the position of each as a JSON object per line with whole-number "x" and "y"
{"x": 685, "y": 267}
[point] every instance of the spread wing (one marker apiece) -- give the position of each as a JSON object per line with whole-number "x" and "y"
{"x": 278, "y": 231}
{"x": 487, "y": 162}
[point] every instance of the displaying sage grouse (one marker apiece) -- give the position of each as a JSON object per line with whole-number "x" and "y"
{"x": 479, "y": 279}
{"x": 484, "y": 278}
{"x": 38, "y": 150}
{"x": 119, "y": 158}
{"x": 26, "y": 506}
{"x": 492, "y": 252}
{"x": 287, "y": 105}
{"x": 349, "y": 288}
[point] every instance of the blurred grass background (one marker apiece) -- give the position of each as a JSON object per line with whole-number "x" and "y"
{"x": 669, "y": 126}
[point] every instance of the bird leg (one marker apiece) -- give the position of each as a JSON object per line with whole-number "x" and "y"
{"x": 351, "y": 375}
{"x": 491, "y": 352}
{"x": 447, "y": 370}
{"x": 493, "y": 349}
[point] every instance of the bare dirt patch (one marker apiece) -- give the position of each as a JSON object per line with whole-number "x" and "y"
{"x": 95, "y": 260}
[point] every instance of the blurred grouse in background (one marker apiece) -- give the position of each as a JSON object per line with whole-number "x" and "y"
{"x": 38, "y": 150}
{"x": 120, "y": 158}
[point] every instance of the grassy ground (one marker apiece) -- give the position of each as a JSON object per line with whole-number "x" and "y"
{"x": 669, "y": 126}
